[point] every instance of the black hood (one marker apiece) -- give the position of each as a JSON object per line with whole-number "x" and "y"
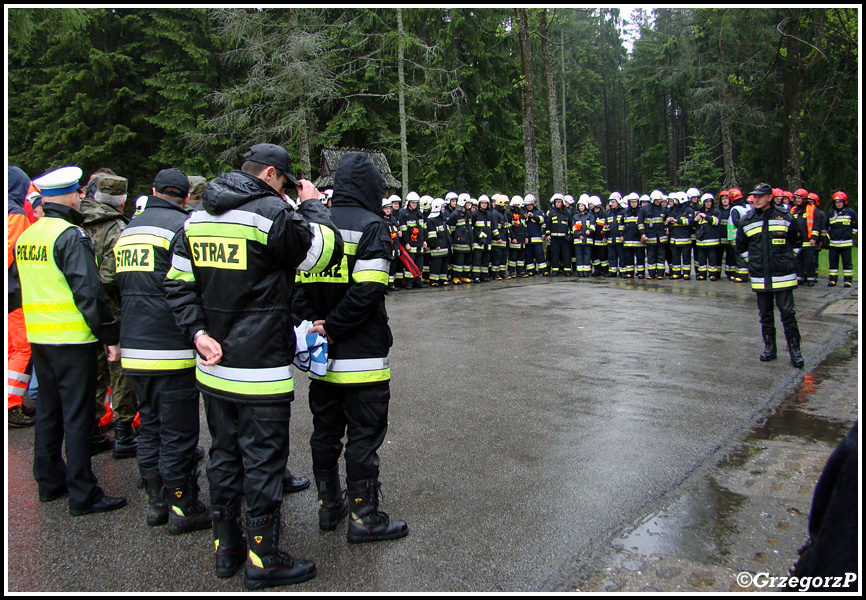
{"x": 18, "y": 186}
{"x": 234, "y": 189}
{"x": 358, "y": 182}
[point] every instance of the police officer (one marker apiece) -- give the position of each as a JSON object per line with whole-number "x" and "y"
{"x": 230, "y": 287}
{"x": 67, "y": 316}
{"x": 352, "y": 398}
{"x": 159, "y": 360}
{"x": 770, "y": 236}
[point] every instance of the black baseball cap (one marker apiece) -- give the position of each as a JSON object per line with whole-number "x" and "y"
{"x": 762, "y": 189}
{"x": 173, "y": 178}
{"x": 272, "y": 155}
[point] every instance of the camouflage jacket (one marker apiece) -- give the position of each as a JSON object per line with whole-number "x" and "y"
{"x": 104, "y": 223}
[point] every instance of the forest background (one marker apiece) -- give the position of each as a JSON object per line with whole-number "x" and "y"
{"x": 483, "y": 100}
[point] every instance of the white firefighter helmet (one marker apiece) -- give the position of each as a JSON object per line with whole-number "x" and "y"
{"x": 516, "y": 200}
{"x": 386, "y": 202}
{"x": 683, "y": 197}
{"x": 412, "y": 197}
{"x": 707, "y": 196}
{"x": 556, "y": 197}
{"x": 615, "y": 196}
{"x": 462, "y": 199}
{"x": 569, "y": 199}
{"x": 645, "y": 198}
{"x": 529, "y": 199}
{"x": 425, "y": 202}
{"x": 693, "y": 192}
{"x": 449, "y": 196}
{"x": 657, "y": 195}
{"x": 585, "y": 198}
{"x": 484, "y": 198}
{"x": 595, "y": 201}
{"x": 395, "y": 198}
{"x": 436, "y": 206}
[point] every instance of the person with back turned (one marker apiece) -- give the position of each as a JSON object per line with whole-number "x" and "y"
{"x": 230, "y": 287}
{"x": 351, "y": 399}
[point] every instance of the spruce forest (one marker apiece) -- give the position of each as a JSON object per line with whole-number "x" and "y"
{"x": 487, "y": 100}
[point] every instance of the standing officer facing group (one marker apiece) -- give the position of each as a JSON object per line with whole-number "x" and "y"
{"x": 769, "y": 236}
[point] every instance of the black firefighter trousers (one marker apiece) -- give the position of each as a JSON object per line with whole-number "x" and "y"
{"x": 358, "y": 411}
{"x": 248, "y": 454}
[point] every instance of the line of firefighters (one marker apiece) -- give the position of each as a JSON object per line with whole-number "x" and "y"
{"x": 460, "y": 239}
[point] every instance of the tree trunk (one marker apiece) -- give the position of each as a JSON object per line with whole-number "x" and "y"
{"x": 530, "y": 152}
{"x": 728, "y": 152}
{"x": 553, "y": 116}
{"x": 401, "y": 94}
{"x": 564, "y": 130}
{"x": 791, "y": 96}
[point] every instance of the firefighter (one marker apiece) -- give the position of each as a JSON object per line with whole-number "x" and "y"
{"x": 841, "y": 231}
{"x": 482, "y": 235}
{"x": 708, "y": 237}
{"x": 652, "y": 218}
{"x": 727, "y": 253}
{"x": 769, "y": 236}
{"x": 460, "y": 226}
{"x": 230, "y": 288}
{"x": 581, "y": 232}
{"x": 159, "y": 361}
{"x": 412, "y": 237}
{"x": 614, "y": 235}
{"x": 632, "y": 233}
{"x": 351, "y": 399}
{"x": 738, "y": 210}
{"x": 499, "y": 245}
{"x": 811, "y": 221}
{"x": 516, "y": 239}
{"x": 599, "y": 238}
{"x": 67, "y": 316}
{"x": 535, "y": 227}
{"x": 439, "y": 243}
{"x": 395, "y": 273}
{"x": 680, "y": 221}
{"x": 558, "y": 228}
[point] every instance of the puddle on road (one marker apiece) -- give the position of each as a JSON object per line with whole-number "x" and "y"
{"x": 701, "y": 523}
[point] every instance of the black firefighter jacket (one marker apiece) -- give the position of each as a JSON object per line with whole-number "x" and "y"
{"x": 351, "y": 298}
{"x": 232, "y": 273}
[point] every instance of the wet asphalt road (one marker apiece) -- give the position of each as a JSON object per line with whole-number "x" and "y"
{"x": 530, "y": 419}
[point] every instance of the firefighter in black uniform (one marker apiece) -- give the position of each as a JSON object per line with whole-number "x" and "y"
{"x": 558, "y": 235}
{"x": 230, "y": 287}
{"x": 67, "y": 315}
{"x": 394, "y": 231}
{"x": 159, "y": 360}
{"x": 769, "y": 236}
{"x": 841, "y": 230}
{"x": 352, "y": 398}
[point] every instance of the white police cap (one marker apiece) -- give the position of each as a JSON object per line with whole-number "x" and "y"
{"x": 59, "y": 181}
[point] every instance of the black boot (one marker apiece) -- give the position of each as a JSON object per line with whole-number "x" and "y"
{"x": 794, "y": 350}
{"x": 367, "y": 523}
{"x": 332, "y": 500}
{"x": 230, "y": 548}
{"x": 157, "y": 509}
{"x": 292, "y": 484}
{"x": 125, "y": 444}
{"x": 186, "y": 513}
{"x": 266, "y": 565}
{"x": 769, "y": 335}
